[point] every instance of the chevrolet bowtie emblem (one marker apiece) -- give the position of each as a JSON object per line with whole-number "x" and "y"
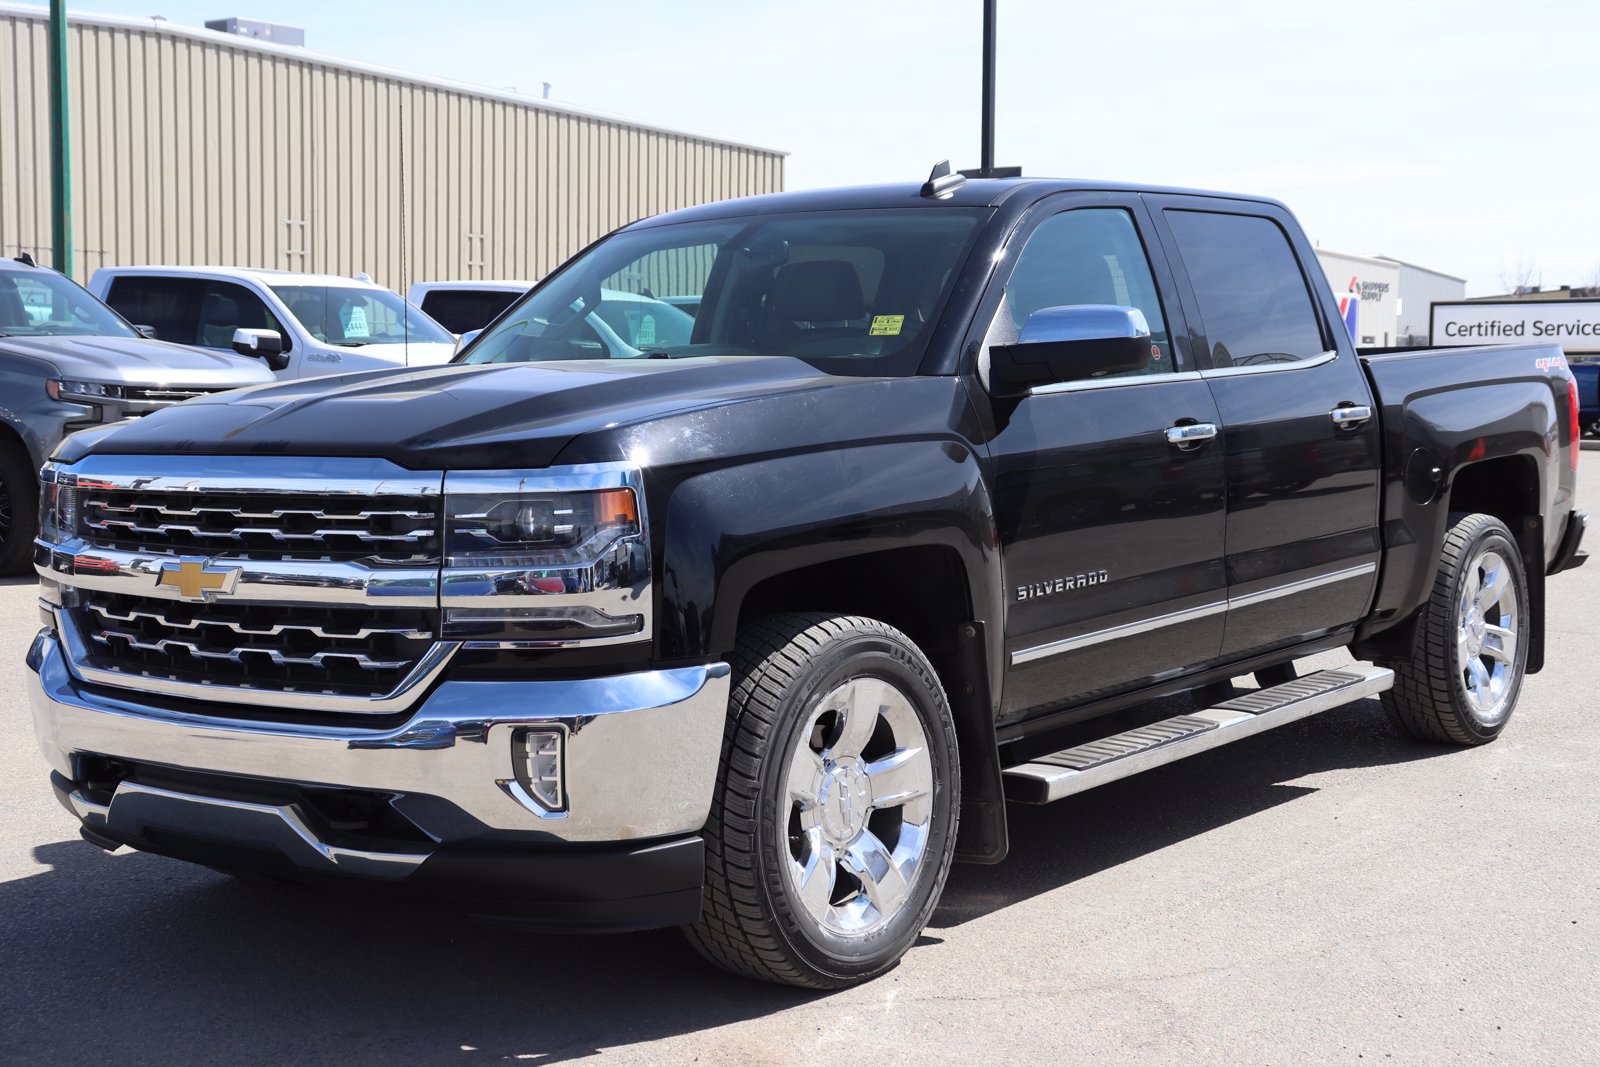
{"x": 193, "y": 580}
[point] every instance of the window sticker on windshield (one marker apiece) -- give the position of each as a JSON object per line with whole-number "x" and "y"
{"x": 354, "y": 321}
{"x": 886, "y": 325}
{"x": 647, "y": 330}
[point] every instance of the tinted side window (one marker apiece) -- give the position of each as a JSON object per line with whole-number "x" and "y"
{"x": 1088, "y": 256}
{"x": 460, "y": 310}
{"x": 227, "y": 307}
{"x": 1254, "y": 304}
{"x": 167, "y": 304}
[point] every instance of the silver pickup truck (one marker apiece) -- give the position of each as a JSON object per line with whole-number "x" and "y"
{"x": 68, "y": 362}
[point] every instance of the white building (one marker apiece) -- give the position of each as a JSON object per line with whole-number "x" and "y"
{"x": 1420, "y": 289}
{"x": 1393, "y": 296}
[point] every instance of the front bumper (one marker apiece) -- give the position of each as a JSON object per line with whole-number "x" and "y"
{"x": 435, "y": 803}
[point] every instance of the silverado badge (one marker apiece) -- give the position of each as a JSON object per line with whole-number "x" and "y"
{"x": 195, "y": 581}
{"x": 1034, "y": 590}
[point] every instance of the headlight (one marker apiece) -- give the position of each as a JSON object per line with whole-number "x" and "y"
{"x": 58, "y": 504}
{"x": 538, "y": 529}
{"x": 546, "y": 558}
{"x": 68, "y": 389}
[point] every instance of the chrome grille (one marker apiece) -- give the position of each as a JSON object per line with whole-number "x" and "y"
{"x": 164, "y": 394}
{"x": 259, "y": 525}
{"x": 296, "y": 648}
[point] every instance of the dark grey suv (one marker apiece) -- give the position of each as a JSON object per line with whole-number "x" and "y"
{"x": 68, "y": 362}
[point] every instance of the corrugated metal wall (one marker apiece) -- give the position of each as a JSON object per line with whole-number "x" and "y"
{"x": 190, "y": 148}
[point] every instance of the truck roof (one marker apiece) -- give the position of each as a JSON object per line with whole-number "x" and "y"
{"x": 259, "y": 275}
{"x": 974, "y": 192}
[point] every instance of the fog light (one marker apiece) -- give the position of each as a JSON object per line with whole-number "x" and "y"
{"x": 541, "y": 768}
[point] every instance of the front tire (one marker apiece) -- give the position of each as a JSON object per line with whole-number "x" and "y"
{"x": 834, "y": 820}
{"x": 1470, "y": 652}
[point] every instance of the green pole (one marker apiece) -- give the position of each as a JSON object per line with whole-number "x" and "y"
{"x": 60, "y": 149}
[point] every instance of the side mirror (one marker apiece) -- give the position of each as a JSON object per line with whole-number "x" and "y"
{"x": 466, "y": 339}
{"x": 1068, "y": 344}
{"x": 147, "y": 332}
{"x": 265, "y": 345}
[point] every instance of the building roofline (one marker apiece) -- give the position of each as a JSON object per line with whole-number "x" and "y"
{"x": 222, "y": 39}
{"x": 1418, "y": 266}
{"x": 1378, "y": 260}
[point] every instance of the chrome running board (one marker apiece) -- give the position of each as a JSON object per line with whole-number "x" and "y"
{"x": 1073, "y": 770}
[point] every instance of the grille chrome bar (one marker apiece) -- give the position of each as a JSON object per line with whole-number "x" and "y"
{"x": 170, "y": 394}
{"x": 359, "y": 634}
{"x": 237, "y": 655}
{"x": 238, "y": 533}
{"x": 321, "y": 583}
{"x": 301, "y": 698}
{"x": 275, "y": 513}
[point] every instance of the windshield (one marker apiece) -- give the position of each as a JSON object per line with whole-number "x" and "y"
{"x": 852, "y": 292}
{"x": 42, "y": 303}
{"x": 350, "y": 317}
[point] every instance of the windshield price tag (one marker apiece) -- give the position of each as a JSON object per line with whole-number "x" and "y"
{"x": 886, "y": 325}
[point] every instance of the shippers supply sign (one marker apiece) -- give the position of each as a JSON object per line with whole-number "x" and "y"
{"x": 1572, "y": 324}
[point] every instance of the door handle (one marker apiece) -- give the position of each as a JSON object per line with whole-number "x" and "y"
{"x": 1192, "y": 434}
{"x": 1350, "y": 416}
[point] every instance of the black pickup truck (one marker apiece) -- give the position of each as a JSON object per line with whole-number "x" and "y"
{"x": 754, "y": 623}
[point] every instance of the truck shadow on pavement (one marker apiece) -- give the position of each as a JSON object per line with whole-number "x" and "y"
{"x": 134, "y": 958}
{"x": 1056, "y": 844}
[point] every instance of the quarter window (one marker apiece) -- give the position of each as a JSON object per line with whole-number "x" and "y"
{"x": 1087, "y": 256}
{"x": 1252, "y": 297}
{"x": 460, "y": 310}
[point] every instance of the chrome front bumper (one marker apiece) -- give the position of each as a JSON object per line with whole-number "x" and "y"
{"x": 640, "y": 762}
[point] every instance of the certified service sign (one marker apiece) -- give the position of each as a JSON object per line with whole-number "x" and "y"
{"x": 1572, "y": 324}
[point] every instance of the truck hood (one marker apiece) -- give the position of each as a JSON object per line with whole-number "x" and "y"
{"x": 456, "y": 417}
{"x": 137, "y": 361}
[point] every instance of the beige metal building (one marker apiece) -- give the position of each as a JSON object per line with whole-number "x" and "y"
{"x": 197, "y": 146}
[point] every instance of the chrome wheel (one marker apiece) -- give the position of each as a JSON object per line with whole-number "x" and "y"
{"x": 1486, "y": 636}
{"x": 859, "y": 806}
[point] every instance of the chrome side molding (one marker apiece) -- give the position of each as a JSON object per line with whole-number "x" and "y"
{"x": 1156, "y": 622}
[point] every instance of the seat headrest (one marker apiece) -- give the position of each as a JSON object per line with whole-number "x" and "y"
{"x": 824, "y": 290}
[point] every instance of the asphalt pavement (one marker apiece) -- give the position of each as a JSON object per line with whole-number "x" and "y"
{"x": 1325, "y": 893}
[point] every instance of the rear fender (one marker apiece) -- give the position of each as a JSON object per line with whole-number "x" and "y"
{"x": 1489, "y": 449}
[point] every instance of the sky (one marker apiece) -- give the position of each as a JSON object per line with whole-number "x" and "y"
{"x": 1460, "y": 136}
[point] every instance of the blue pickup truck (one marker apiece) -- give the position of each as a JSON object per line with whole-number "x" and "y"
{"x": 1588, "y": 378}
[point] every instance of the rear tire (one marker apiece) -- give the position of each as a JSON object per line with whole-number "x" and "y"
{"x": 1470, "y": 651}
{"x": 19, "y": 509}
{"x": 834, "y": 820}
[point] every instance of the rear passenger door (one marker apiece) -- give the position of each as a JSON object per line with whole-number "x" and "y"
{"x": 168, "y": 305}
{"x": 1299, "y": 427}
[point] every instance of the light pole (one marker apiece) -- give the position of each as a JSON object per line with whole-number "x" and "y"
{"x": 986, "y": 168}
{"x": 60, "y": 147}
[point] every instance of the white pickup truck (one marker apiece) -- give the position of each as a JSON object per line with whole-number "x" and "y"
{"x": 302, "y": 325}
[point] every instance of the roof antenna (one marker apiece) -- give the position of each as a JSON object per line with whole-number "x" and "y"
{"x": 941, "y": 182}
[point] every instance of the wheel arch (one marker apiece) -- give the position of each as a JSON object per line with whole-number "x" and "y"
{"x": 899, "y": 532}
{"x": 1511, "y": 488}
